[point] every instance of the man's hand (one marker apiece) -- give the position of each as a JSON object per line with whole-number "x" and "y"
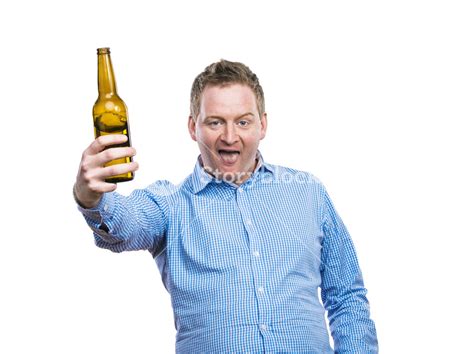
{"x": 90, "y": 181}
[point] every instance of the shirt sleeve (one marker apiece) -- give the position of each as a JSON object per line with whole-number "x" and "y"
{"x": 342, "y": 288}
{"x": 128, "y": 223}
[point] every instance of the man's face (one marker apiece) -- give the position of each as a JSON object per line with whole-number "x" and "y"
{"x": 228, "y": 131}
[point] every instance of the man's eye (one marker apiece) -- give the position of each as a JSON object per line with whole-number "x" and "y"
{"x": 214, "y": 123}
{"x": 243, "y": 123}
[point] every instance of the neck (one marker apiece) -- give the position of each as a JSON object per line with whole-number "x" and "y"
{"x": 106, "y": 76}
{"x": 237, "y": 178}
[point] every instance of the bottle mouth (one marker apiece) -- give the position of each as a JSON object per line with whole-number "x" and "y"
{"x": 103, "y": 50}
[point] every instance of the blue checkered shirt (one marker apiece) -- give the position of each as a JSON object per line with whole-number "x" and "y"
{"x": 243, "y": 264}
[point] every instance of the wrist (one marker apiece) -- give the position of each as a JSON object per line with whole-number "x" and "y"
{"x": 82, "y": 204}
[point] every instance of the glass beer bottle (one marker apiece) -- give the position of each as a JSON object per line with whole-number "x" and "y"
{"x": 110, "y": 112}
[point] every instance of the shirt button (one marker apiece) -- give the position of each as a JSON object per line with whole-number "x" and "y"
{"x": 241, "y": 190}
{"x": 256, "y": 254}
{"x": 261, "y": 290}
{"x": 263, "y": 327}
{"x": 106, "y": 207}
{"x": 249, "y": 222}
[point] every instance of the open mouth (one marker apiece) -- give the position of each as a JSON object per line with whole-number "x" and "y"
{"x": 229, "y": 157}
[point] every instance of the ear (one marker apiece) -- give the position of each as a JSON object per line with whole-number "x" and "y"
{"x": 192, "y": 128}
{"x": 263, "y": 122}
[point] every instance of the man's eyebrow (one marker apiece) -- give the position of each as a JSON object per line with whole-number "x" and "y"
{"x": 219, "y": 117}
{"x": 246, "y": 114}
{"x": 212, "y": 117}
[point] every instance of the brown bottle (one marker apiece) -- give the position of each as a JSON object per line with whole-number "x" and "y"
{"x": 110, "y": 112}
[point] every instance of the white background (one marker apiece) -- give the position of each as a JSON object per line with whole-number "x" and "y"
{"x": 373, "y": 97}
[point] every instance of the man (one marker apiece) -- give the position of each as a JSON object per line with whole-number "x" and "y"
{"x": 242, "y": 245}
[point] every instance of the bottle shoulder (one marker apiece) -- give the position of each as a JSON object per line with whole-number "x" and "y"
{"x": 109, "y": 104}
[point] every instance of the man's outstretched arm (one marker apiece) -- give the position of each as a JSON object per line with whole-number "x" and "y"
{"x": 119, "y": 223}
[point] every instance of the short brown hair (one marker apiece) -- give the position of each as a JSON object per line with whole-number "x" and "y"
{"x": 224, "y": 73}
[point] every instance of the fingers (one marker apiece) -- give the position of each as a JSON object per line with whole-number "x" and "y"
{"x": 90, "y": 185}
{"x": 97, "y": 154}
{"x": 90, "y": 181}
{"x": 113, "y": 154}
{"x": 92, "y": 167}
{"x": 102, "y": 142}
{"x": 92, "y": 189}
{"x": 118, "y": 169}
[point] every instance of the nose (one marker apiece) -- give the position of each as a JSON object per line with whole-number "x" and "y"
{"x": 229, "y": 135}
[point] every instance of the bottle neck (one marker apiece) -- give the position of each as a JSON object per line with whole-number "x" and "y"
{"x": 106, "y": 77}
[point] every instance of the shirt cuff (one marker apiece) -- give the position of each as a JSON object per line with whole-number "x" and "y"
{"x": 98, "y": 215}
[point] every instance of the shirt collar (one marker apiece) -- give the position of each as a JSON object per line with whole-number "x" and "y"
{"x": 200, "y": 178}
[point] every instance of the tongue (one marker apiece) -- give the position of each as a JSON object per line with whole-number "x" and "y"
{"x": 229, "y": 158}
